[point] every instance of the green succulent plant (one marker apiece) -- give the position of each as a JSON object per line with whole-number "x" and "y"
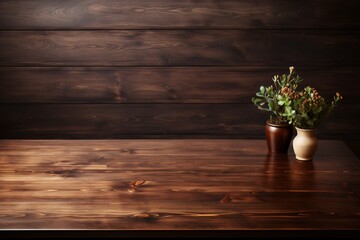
{"x": 309, "y": 109}
{"x": 277, "y": 98}
{"x": 305, "y": 109}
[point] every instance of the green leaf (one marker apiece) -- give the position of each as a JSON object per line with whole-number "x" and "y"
{"x": 288, "y": 110}
{"x": 271, "y": 104}
{"x": 262, "y": 89}
{"x": 319, "y": 110}
{"x": 310, "y": 122}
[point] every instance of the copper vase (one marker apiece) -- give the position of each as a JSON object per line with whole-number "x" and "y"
{"x": 278, "y": 137}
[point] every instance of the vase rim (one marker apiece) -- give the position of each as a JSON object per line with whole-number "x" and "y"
{"x": 277, "y": 125}
{"x": 305, "y": 129}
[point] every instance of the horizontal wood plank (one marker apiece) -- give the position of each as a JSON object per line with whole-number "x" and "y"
{"x": 178, "y": 48}
{"x": 169, "y": 184}
{"x": 161, "y": 84}
{"x": 119, "y": 120}
{"x": 204, "y": 14}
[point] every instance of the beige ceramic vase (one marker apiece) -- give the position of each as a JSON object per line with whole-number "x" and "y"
{"x": 305, "y": 144}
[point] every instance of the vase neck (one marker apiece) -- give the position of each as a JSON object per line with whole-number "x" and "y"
{"x": 305, "y": 132}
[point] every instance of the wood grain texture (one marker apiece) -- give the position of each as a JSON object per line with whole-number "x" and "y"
{"x": 161, "y": 68}
{"x": 171, "y": 14}
{"x": 115, "y": 120}
{"x": 178, "y": 48}
{"x": 122, "y": 120}
{"x": 161, "y": 84}
{"x": 175, "y": 185}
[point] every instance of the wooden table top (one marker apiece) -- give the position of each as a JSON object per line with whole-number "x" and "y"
{"x": 175, "y": 185}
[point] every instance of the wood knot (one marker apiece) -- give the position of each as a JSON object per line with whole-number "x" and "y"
{"x": 134, "y": 185}
{"x": 226, "y": 198}
{"x": 229, "y": 198}
{"x": 145, "y": 216}
{"x": 127, "y": 150}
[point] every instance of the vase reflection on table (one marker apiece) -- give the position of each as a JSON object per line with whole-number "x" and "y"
{"x": 283, "y": 173}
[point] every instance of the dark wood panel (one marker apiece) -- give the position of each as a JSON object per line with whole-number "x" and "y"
{"x": 161, "y": 85}
{"x": 177, "y": 184}
{"x": 119, "y": 120}
{"x": 185, "y": 48}
{"x": 157, "y": 14}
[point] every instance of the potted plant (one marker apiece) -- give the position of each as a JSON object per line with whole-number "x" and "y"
{"x": 309, "y": 109}
{"x": 276, "y": 99}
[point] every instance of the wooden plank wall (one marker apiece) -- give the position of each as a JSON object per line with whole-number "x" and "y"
{"x": 167, "y": 68}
